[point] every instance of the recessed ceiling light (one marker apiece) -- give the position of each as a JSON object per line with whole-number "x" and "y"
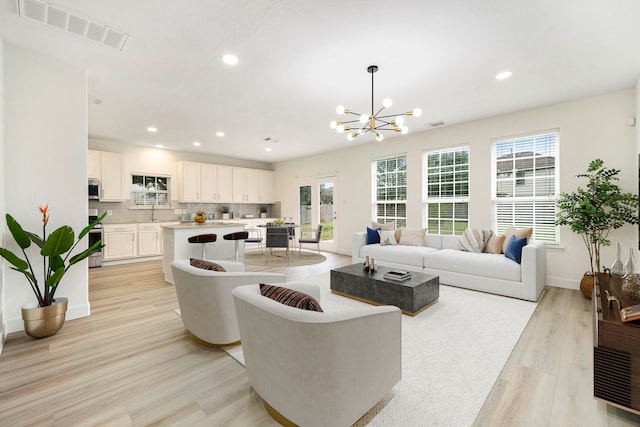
{"x": 230, "y": 59}
{"x": 503, "y": 75}
{"x": 196, "y": 144}
{"x": 267, "y": 149}
{"x": 220, "y": 133}
{"x": 159, "y": 146}
{"x": 152, "y": 129}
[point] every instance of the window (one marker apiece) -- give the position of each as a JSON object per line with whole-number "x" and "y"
{"x": 445, "y": 198}
{"x": 390, "y": 190}
{"x": 149, "y": 190}
{"x": 525, "y": 184}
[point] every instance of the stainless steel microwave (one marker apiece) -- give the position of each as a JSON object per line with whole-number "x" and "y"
{"x": 94, "y": 189}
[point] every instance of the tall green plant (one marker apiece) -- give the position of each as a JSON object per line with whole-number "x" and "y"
{"x": 60, "y": 243}
{"x": 595, "y": 211}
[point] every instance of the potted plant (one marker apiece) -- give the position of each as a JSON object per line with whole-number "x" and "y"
{"x": 594, "y": 211}
{"x": 47, "y": 316}
{"x": 263, "y": 211}
{"x": 225, "y": 212}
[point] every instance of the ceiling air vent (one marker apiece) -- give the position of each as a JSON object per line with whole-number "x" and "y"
{"x": 436, "y": 124}
{"x": 56, "y": 17}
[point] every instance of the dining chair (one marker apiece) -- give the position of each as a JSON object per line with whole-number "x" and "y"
{"x": 277, "y": 237}
{"x": 315, "y": 239}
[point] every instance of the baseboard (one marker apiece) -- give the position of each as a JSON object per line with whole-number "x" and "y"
{"x": 3, "y": 336}
{"x": 75, "y": 312}
{"x": 560, "y": 282}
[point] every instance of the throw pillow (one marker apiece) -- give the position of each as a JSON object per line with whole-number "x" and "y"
{"x": 412, "y": 236}
{"x": 290, "y": 297}
{"x": 206, "y": 265}
{"x": 473, "y": 240}
{"x": 514, "y": 248}
{"x": 372, "y": 235}
{"x": 387, "y": 237}
{"x": 387, "y": 226}
{"x": 494, "y": 245}
{"x": 518, "y": 232}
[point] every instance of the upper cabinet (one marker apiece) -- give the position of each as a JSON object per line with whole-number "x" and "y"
{"x": 267, "y": 187}
{"x": 253, "y": 186}
{"x": 93, "y": 164}
{"x": 203, "y": 182}
{"x": 109, "y": 168}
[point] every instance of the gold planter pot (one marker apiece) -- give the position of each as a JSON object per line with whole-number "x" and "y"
{"x": 40, "y": 322}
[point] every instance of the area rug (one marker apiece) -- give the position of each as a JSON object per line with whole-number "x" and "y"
{"x": 279, "y": 260}
{"x": 452, "y": 354}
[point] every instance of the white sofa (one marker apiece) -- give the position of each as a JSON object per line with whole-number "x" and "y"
{"x": 318, "y": 369}
{"x": 205, "y": 301}
{"x": 493, "y": 273}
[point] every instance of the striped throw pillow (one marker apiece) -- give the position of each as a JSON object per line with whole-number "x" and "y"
{"x": 473, "y": 240}
{"x": 290, "y": 297}
{"x": 206, "y": 265}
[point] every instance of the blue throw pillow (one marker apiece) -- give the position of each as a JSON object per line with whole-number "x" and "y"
{"x": 372, "y": 235}
{"x": 514, "y": 248}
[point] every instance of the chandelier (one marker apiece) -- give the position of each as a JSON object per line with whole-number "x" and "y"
{"x": 373, "y": 122}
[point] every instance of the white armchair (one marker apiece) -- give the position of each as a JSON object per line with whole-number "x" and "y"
{"x": 205, "y": 300}
{"x": 318, "y": 369}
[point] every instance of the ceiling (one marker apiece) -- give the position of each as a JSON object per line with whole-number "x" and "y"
{"x": 299, "y": 59}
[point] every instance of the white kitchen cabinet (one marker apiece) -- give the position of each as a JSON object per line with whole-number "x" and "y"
{"x": 246, "y": 185}
{"x": 189, "y": 182}
{"x": 93, "y": 164}
{"x": 120, "y": 241}
{"x": 149, "y": 239}
{"x": 204, "y": 182}
{"x": 112, "y": 177}
{"x": 267, "y": 187}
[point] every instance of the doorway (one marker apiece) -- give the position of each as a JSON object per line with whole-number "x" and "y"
{"x": 316, "y": 206}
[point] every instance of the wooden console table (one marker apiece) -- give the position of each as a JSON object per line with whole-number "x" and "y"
{"x": 616, "y": 347}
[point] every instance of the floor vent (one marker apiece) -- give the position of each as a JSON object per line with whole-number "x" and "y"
{"x": 54, "y": 16}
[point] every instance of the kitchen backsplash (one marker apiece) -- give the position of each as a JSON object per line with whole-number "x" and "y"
{"x": 121, "y": 212}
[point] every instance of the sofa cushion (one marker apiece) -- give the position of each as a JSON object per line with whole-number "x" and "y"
{"x": 518, "y": 232}
{"x": 485, "y": 265}
{"x": 412, "y": 236}
{"x": 397, "y": 254}
{"x": 290, "y": 297}
{"x": 373, "y": 236}
{"x": 473, "y": 240}
{"x": 206, "y": 265}
{"x": 514, "y": 248}
{"x": 494, "y": 245}
{"x": 387, "y": 237}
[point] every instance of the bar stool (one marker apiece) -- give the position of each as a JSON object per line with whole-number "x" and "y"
{"x": 203, "y": 239}
{"x": 236, "y": 236}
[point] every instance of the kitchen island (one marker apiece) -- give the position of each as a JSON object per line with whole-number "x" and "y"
{"x": 176, "y": 245}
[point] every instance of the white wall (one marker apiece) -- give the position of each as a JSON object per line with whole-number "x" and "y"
{"x": 45, "y": 162}
{"x": 589, "y": 128}
{"x": 3, "y": 331}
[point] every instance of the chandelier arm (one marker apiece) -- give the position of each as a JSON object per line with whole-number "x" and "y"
{"x": 391, "y": 115}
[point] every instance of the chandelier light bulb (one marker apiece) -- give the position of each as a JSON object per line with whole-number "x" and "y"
{"x": 360, "y": 131}
{"x": 386, "y": 103}
{"x": 399, "y": 121}
{"x": 417, "y": 112}
{"x": 340, "y": 128}
{"x": 340, "y": 109}
{"x": 404, "y": 130}
{"x": 364, "y": 118}
{"x": 351, "y": 136}
{"x": 333, "y": 124}
{"x": 379, "y": 137}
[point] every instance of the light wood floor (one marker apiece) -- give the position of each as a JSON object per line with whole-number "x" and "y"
{"x": 132, "y": 363}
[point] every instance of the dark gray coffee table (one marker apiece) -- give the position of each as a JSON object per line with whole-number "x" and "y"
{"x": 411, "y": 296}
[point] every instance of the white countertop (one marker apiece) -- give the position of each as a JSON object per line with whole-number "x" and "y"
{"x": 208, "y": 224}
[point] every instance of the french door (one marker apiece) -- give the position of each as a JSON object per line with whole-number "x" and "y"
{"x": 316, "y": 206}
